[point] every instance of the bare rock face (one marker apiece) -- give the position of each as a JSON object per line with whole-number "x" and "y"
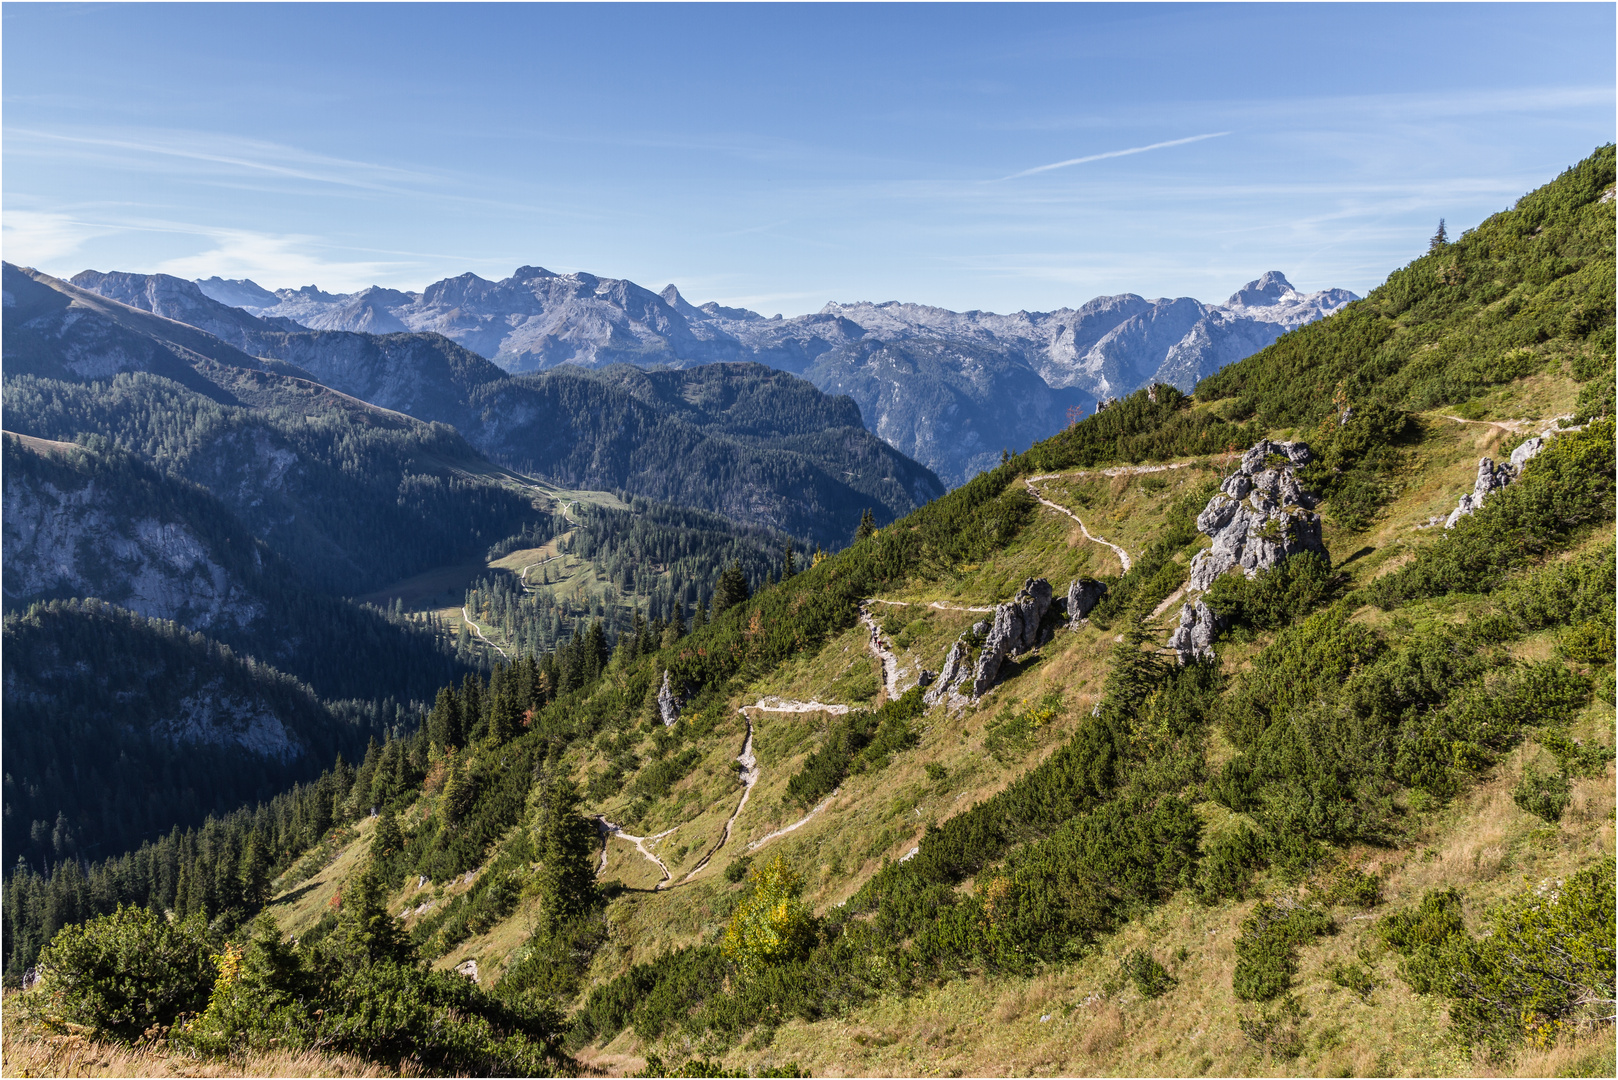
{"x": 1260, "y": 515}
{"x": 1083, "y": 594}
{"x": 1015, "y": 629}
{"x": 668, "y": 702}
{"x": 1193, "y": 639}
{"x": 1492, "y": 477}
{"x": 956, "y": 670}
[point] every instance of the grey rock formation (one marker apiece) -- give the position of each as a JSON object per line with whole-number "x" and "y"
{"x": 1194, "y": 637}
{"x": 956, "y": 671}
{"x": 1083, "y": 594}
{"x": 1015, "y": 629}
{"x": 1491, "y": 478}
{"x": 668, "y": 702}
{"x": 1260, "y": 516}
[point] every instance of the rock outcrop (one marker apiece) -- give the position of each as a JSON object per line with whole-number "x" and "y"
{"x": 668, "y": 702}
{"x": 1015, "y": 629}
{"x": 956, "y": 671}
{"x": 1194, "y": 637}
{"x": 1083, "y": 594}
{"x": 1492, "y": 477}
{"x": 1260, "y": 515}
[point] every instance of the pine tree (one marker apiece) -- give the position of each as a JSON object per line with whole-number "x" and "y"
{"x": 731, "y": 590}
{"x": 867, "y": 526}
{"x": 255, "y": 872}
{"x": 1440, "y": 238}
{"x": 789, "y": 562}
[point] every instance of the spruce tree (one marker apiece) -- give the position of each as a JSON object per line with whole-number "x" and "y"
{"x": 731, "y": 590}
{"x": 867, "y": 526}
{"x": 1440, "y": 238}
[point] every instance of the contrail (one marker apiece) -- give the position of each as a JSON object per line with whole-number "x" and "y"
{"x": 1114, "y": 153}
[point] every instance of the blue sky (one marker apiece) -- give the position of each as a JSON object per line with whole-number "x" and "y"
{"x": 781, "y": 156}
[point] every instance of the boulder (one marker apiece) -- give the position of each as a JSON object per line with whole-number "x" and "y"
{"x": 1193, "y": 639}
{"x": 1083, "y": 594}
{"x": 668, "y": 702}
{"x": 1015, "y": 629}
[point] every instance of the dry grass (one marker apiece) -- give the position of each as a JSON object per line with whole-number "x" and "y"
{"x": 26, "y": 1053}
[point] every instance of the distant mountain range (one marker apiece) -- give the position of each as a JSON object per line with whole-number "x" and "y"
{"x": 950, "y": 389}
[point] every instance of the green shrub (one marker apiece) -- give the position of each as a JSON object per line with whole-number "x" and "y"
{"x": 1588, "y": 760}
{"x": 1150, "y": 978}
{"x": 1591, "y": 641}
{"x": 1352, "y": 976}
{"x": 1266, "y": 951}
{"x": 1545, "y": 958}
{"x": 124, "y": 973}
{"x": 1541, "y": 795}
{"x": 1288, "y": 591}
{"x": 1422, "y": 935}
{"x": 1228, "y": 862}
{"x": 738, "y": 869}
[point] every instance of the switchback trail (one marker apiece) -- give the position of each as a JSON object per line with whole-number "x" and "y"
{"x": 1123, "y": 556}
{"x": 749, "y": 774}
{"x": 609, "y": 830}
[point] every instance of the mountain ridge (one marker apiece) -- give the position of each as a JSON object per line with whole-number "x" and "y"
{"x": 536, "y": 320}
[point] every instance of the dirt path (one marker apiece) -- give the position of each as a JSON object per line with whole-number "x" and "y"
{"x": 1123, "y": 556}
{"x": 610, "y": 830}
{"x": 1167, "y": 603}
{"x": 522, "y": 575}
{"x": 939, "y": 604}
{"x": 749, "y": 777}
{"x": 800, "y": 823}
{"x": 883, "y": 651}
{"x": 479, "y": 633}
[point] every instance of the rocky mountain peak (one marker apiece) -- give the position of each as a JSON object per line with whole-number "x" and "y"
{"x": 1265, "y": 290}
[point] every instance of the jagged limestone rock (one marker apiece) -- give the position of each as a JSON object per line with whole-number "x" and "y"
{"x": 1260, "y": 515}
{"x": 668, "y": 702}
{"x": 1015, "y": 629}
{"x": 956, "y": 670}
{"x": 1083, "y": 594}
{"x": 1193, "y": 639}
{"x": 1491, "y": 478}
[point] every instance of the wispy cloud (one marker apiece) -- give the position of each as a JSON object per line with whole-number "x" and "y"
{"x": 1114, "y": 154}
{"x": 252, "y": 156}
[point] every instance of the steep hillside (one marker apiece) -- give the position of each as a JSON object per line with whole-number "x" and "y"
{"x": 82, "y": 524}
{"x": 697, "y": 438}
{"x": 1365, "y": 826}
{"x": 118, "y": 728}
